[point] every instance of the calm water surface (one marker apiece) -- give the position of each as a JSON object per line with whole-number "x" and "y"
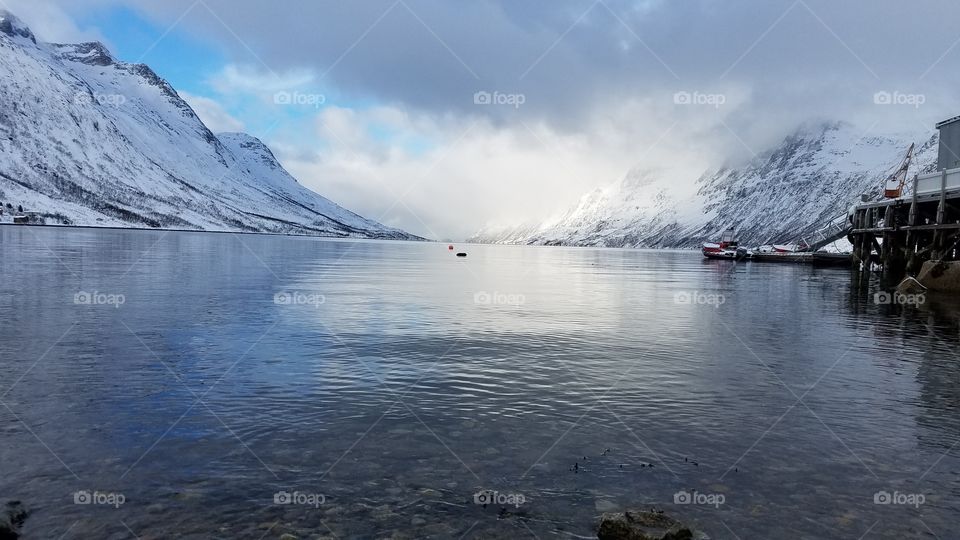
{"x": 198, "y": 375}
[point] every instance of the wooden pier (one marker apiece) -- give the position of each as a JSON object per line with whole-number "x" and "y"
{"x": 900, "y": 234}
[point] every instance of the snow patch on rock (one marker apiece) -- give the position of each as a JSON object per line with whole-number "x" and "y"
{"x": 14, "y": 27}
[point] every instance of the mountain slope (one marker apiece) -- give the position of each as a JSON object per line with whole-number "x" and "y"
{"x": 813, "y": 176}
{"x": 86, "y": 139}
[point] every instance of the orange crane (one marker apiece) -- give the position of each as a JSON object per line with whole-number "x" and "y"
{"x": 893, "y": 187}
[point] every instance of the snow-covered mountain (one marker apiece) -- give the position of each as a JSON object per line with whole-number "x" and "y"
{"x": 89, "y": 140}
{"x": 782, "y": 195}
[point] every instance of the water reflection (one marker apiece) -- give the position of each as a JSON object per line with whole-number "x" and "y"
{"x": 403, "y": 392}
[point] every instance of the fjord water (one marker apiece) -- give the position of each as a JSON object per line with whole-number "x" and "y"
{"x": 198, "y": 375}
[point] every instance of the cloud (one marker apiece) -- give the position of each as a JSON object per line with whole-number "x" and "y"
{"x": 434, "y": 54}
{"x": 243, "y": 78}
{"x": 213, "y": 114}
{"x": 478, "y": 172}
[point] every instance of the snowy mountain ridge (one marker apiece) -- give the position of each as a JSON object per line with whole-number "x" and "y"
{"x": 14, "y": 27}
{"x": 811, "y": 177}
{"x": 88, "y": 140}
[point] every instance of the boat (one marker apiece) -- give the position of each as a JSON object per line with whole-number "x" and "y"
{"x": 727, "y": 248}
{"x": 718, "y": 251}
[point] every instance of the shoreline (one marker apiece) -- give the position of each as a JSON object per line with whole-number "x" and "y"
{"x": 413, "y": 238}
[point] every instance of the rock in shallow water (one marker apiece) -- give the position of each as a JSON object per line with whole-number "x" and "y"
{"x": 604, "y": 505}
{"x": 641, "y": 525}
{"x": 13, "y": 517}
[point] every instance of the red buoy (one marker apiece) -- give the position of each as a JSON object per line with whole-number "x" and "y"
{"x": 450, "y": 247}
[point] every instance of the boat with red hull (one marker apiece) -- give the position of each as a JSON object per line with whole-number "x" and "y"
{"x": 727, "y": 248}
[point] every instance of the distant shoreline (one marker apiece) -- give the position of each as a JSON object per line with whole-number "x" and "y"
{"x": 684, "y": 249}
{"x": 413, "y": 238}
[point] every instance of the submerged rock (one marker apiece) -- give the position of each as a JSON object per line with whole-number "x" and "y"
{"x": 641, "y": 525}
{"x": 940, "y": 275}
{"x": 604, "y": 505}
{"x": 910, "y": 285}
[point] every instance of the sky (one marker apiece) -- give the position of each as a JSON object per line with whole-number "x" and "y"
{"x": 441, "y": 116}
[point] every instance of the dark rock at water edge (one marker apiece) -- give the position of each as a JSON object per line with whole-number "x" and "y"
{"x": 13, "y": 517}
{"x": 940, "y": 275}
{"x": 641, "y": 525}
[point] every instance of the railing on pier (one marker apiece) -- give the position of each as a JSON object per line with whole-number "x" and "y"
{"x": 835, "y": 229}
{"x": 934, "y": 182}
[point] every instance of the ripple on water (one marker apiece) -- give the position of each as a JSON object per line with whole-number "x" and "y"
{"x": 401, "y": 395}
